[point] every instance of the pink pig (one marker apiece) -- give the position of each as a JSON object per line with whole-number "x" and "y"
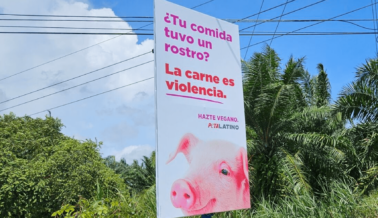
{"x": 217, "y": 179}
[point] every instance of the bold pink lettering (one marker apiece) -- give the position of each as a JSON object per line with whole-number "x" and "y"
{"x": 166, "y": 30}
{"x": 169, "y": 85}
{"x": 174, "y": 18}
{"x": 167, "y": 46}
{"x": 167, "y": 69}
{"x": 188, "y": 74}
{"x": 209, "y": 92}
{"x": 174, "y": 49}
{"x": 182, "y": 87}
{"x": 182, "y": 37}
{"x": 193, "y": 27}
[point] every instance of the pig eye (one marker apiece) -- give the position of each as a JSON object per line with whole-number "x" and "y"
{"x": 224, "y": 172}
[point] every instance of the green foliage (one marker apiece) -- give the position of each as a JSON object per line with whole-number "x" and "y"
{"x": 41, "y": 169}
{"x": 303, "y": 161}
{"x": 99, "y": 206}
{"x": 138, "y": 177}
{"x": 289, "y": 114}
{"x": 359, "y": 100}
{"x": 322, "y": 87}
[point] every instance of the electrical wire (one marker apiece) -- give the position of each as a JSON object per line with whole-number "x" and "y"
{"x": 82, "y": 99}
{"x": 55, "y": 84}
{"x": 349, "y": 12}
{"x": 375, "y": 28}
{"x": 296, "y": 20}
{"x": 202, "y": 4}
{"x": 275, "y": 31}
{"x": 376, "y": 15}
{"x": 61, "y": 57}
{"x": 78, "y": 33}
{"x": 299, "y": 9}
{"x": 269, "y": 9}
{"x": 367, "y": 28}
{"x": 47, "y": 20}
{"x": 46, "y": 15}
{"x": 250, "y": 39}
{"x": 63, "y": 90}
{"x": 311, "y": 34}
{"x": 231, "y": 20}
{"x": 74, "y": 28}
{"x": 241, "y": 34}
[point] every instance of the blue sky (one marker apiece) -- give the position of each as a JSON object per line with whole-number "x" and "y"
{"x": 339, "y": 54}
{"x": 124, "y": 120}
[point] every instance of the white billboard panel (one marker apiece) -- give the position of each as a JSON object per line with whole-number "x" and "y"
{"x": 202, "y": 164}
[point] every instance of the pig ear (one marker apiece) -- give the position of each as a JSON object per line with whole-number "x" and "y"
{"x": 244, "y": 182}
{"x": 243, "y": 158}
{"x": 187, "y": 142}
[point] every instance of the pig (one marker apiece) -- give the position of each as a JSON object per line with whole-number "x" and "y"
{"x": 217, "y": 179}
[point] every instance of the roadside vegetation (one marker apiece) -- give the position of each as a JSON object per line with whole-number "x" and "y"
{"x": 309, "y": 156}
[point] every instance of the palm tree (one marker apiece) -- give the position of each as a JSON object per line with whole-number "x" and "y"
{"x": 270, "y": 99}
{"x": 137, "y": 176}
{"x": 358, "y": 101}
{"x": 322, "y": 87}
{"x": 294, "y": 135}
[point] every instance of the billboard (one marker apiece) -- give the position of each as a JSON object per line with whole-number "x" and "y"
{"x": 202, "y": 164}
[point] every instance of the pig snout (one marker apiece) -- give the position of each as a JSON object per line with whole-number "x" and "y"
{"x": 182, "y": 194}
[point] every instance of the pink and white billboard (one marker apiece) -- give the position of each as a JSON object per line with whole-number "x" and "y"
{"x": 202, "y": 164}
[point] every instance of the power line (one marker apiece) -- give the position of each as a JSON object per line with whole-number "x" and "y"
{"x": 310, "y": 34}
{"x": 367, "y": 28}
{"x": 310, "y": 25}
{"x": 73, "y": 78}
{"x": 299, "y": 9}
{"x": 47, "y": 20}
{"x": 274, "y": 7}
{"x": 230, "y": 20}
{"x": 241, "y": 34}
{"x": 47, "y": 15}
{"x": 375, "y": 28}
{"x": 295, "y": 20}
{"x": 78, "y": 33}
{"x": 82, "y": 99}
{"x": 275, "y": 31}
{"x": 202, "y": 4}
{"x": 127, "y": 17}
{"x": 61, "y": 57}
{"x": 63, "y": 90}
{"x": 74, "y": 28}
{"x": 376, "y": 15}
{"x": 250, "y": 39}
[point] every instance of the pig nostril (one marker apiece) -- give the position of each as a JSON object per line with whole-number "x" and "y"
{"x": 186, "y": 196}
{"x": 174, "y": 193}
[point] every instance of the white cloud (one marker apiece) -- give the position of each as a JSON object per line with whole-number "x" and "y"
{"x": 134, "y": 152}
{"x": 20, "y": 52}
{"x": 120, "y": 132}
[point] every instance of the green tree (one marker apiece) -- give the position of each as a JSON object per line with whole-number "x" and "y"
{"x": 322, "y": 87}
{"x": 294, "y": 129}
{"x": 137, "y": 176}
{"x": 359, "y": 100}
{"x": 41, "y": 169}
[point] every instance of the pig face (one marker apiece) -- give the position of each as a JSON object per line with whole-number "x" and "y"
{"x": 217, "y": 179}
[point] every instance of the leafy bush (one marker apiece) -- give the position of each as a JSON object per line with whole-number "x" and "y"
{"x": 41, "y": 169}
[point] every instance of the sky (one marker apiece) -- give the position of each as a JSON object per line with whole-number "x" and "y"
{"x": 124, "y": 120}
